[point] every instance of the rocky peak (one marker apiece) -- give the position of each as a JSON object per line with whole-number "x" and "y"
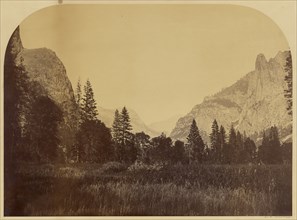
{"x": 261, "y": 63}
{"x": 15, "y": 43}
{"x": 252, "y": 104}
{"x": 281, "y": 57}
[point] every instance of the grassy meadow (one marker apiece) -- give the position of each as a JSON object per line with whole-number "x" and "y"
{"x": 113, "y": 189}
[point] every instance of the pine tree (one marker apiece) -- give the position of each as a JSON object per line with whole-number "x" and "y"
{"x": 239, "y": 149}
{"x": 78, "y": 99}
{"x": 78, "y": 94}
{"x": 289, "y": 80}
{"x": 249, "y": 150}
{"x": 94, "y": 142}
{"x": 195, "y": 146}
{"x": 43, "y": 129}
{"x": 231, "y": 146}
{"x": 275, "y": 146}
{"x": 125, "y": 139}
{"x": 143, "y": 145}
{"x": 116, "y": 135}
{"x": 116, "y": 127}
{"x": 178, "y": 152}
{"x": 78, "y": 118}
{"x": 215, "y": 142}
{"x": 16, "y": 109}
{"x": 270, "y": 151}
{"x": 222, "y": 142}
{"x": 126, "y": 127}
{"x": 263, "y": 152}
{"x": 89, "y": 109}
{"x": 162, "y": 149}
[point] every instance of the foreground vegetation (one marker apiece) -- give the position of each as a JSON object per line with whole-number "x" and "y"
{"x": 114, "y": 189}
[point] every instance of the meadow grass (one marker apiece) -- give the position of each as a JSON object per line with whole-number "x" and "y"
{"x": 203, "y": 190}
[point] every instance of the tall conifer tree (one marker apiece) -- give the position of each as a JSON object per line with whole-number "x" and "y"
{"x": 222, "y": 142}
{"x": 89, "y": 109}
{"x": 215, "y": 141}
{"x": 270, "y": 150}
{"x": 195, "y": 145}
{"x": 116, "y": 127}
{"x": 126, "y": 127}
{"x": 231, "y": 145}
{"x": 78, "y": 94}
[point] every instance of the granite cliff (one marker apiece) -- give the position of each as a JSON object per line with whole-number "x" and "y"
{"x": 47, "y": 75}
{"x": 254, "y": 103}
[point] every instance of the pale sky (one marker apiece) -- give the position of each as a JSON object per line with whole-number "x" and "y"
{"x": 159, "y": 60}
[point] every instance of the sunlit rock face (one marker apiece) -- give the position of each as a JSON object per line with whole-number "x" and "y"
{"x": 254, "y": 103}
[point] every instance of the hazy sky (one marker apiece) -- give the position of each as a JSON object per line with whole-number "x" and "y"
{"x": 159, "y": 60}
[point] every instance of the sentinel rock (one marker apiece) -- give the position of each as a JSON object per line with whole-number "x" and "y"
{"x": 261, "y": 63}
{"x": 252, "y": 104}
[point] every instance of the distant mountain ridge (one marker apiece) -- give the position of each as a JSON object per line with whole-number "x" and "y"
{"x": 165, "y": 125}
{"x": 252, "y": 104}
{"x": 107, "y": 116}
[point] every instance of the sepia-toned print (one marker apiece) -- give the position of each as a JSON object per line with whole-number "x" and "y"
{"x": 148, "y": 110}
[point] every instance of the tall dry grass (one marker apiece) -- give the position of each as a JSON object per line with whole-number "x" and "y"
{"x": 206, "y": 190}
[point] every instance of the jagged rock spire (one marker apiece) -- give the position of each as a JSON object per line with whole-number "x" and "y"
{"x": 261, "y": 62}
{"x": 15, "y": 45}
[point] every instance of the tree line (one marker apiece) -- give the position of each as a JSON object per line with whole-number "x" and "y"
{"x": 32, "y": 120}
{"x": 97, "y": 143}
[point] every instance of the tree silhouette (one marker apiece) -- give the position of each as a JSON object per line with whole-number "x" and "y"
{"x": 43, "y": 129}
{"x": 215, "y": 142}
{"x": 94, "y": 142}
{"x": 230, "y": 155}
{"x": 195, "y": 145}
{"x": 161, "y": 148}
{"x": 270, "y": 150}
{"x": 16, "y": 108}
{"x": 143, "y": 145}
{"x": 249, "y": 151}
{"x": 123, "y": 138}
{"x": 125, "y": 127}
{"x": 78, "y": 100}
{"x": 89, "y": 109}
{"x": 178, "y": 152}
{"x": 222, "y": 143}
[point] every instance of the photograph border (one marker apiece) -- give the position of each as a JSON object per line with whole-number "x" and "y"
{"x": 283, "y": 13}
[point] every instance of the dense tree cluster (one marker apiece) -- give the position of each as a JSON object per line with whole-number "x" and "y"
{"x": 15, "y": 105}
{"x": 31, "y": 131}
{"x": 93, "y": 139}
{"x": 194, "y": 147}
{"x": 270, "y": 151}
{"x": 31, "y": 119}
{"x": 123, "y": 138}
{"x": 234, "y": 149}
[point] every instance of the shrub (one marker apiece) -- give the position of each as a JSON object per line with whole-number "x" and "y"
{"x": 139, "y": 165}
{"x": 113, "y": 167}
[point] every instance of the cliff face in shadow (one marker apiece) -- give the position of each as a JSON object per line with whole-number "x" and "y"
{"x": 47, "y": 76}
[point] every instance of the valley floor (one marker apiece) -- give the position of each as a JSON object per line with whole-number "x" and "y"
{"x": 182, "y": 190}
